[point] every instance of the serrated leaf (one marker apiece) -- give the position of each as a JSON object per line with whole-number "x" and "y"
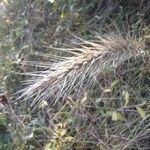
{"x": 141, "y": 112}
{"x": 117, "y": 116}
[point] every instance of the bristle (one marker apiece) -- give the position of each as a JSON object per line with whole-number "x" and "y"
{"x": 79, "y": 71}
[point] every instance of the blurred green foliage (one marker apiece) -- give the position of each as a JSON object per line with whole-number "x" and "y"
{"x": 29, "y": 28}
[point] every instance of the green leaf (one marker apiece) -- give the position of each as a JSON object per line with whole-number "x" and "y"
{"x": 47, "y": 146}
{"x": 114, "y": 83}
{"x": 126, "y": 98}
{"x": 117, "y": 116}
{"x": 62, "y": 14}
{"x": 141, "y": 112}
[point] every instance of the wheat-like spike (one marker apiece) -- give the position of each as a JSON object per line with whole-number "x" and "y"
{"x": 80, "y": 70}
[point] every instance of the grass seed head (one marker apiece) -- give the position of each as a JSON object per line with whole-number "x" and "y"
{"x": 76, "y": 73}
